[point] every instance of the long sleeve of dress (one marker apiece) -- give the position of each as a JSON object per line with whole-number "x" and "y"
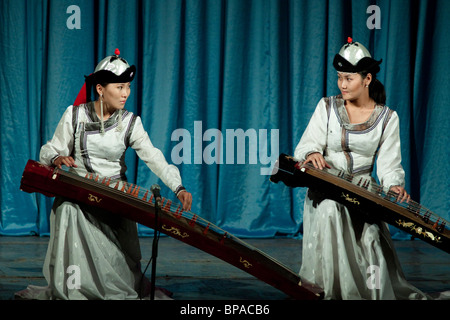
{"x": 389, "y": 169}
{"x": 61, "y": 143}
{"x": 153, "y": 157}
{"x": 314, "y": 138}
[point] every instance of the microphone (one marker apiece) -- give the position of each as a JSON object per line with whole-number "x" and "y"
{"x": 155, "y": 189}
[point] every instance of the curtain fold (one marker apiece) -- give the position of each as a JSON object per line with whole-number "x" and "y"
{"x": 222, "y": 87}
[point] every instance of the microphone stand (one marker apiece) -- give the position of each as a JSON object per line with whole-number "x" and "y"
{"x": 154, "y": 252}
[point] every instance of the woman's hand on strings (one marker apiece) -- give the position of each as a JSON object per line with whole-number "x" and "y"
{"x": 317, "y": 160}
{"x": 402, "y": 194}
{"x": 64, "y": 160}
{"x": 186, "y": 199}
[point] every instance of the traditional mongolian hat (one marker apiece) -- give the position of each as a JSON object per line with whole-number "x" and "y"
{"x": 354, "y": 57}
{"x": 112, "y": 69}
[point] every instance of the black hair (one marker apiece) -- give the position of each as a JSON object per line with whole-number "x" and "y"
{"x": 376, "y": 88}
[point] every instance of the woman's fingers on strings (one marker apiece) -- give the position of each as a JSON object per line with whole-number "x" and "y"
{"x": 318, "y": 161}
{"x": 402, "y": 195}
{"x": 316, "y": 164}
{"x": 186, "y": 199}
{"x": 67, "y": 161}
{"x": 406, "y": 197}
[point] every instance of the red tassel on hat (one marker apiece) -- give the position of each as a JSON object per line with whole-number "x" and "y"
{"x": 81, "y": 97}
{"x": 349, "y": 40}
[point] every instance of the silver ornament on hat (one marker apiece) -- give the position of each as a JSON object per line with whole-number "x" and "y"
{"x": 354, "y": 52}
{"x": 115, "y": 64}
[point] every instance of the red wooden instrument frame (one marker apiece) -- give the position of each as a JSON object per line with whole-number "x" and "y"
{"x": 52, "y": 182}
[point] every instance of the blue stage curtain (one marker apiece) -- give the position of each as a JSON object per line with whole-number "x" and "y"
{"x": 207, "y": 69}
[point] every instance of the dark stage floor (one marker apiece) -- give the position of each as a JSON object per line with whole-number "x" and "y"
{"x": 192, "y": 274}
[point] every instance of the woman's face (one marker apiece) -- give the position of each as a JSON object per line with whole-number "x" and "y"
{"x": 352, "y": 85}
{"x": 115, "y": 94}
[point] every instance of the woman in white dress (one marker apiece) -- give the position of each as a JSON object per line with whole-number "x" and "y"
{"x": 92, "y": 137}
{"x": 349, "y": 257}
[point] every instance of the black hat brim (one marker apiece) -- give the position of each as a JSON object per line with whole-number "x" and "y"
{"x": 365, "y": 64}
{"x": 106, "y": 76}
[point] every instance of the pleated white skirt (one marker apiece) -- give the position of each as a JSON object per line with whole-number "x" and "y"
{"x": 91, "y": 255}
{"x": 349, "y": 257}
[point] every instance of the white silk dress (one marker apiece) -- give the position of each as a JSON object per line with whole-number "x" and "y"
{"x": 102, "y": 248}
{"x": 349, "y": 257}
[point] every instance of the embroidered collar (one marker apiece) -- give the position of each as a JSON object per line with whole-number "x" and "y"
{"x": 94, "y": 120}
{"x": 344, "y": 120}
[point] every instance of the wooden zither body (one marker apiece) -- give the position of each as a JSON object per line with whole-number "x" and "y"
{"x": 137, "y": 204}
{"x": 367, "y": 198}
